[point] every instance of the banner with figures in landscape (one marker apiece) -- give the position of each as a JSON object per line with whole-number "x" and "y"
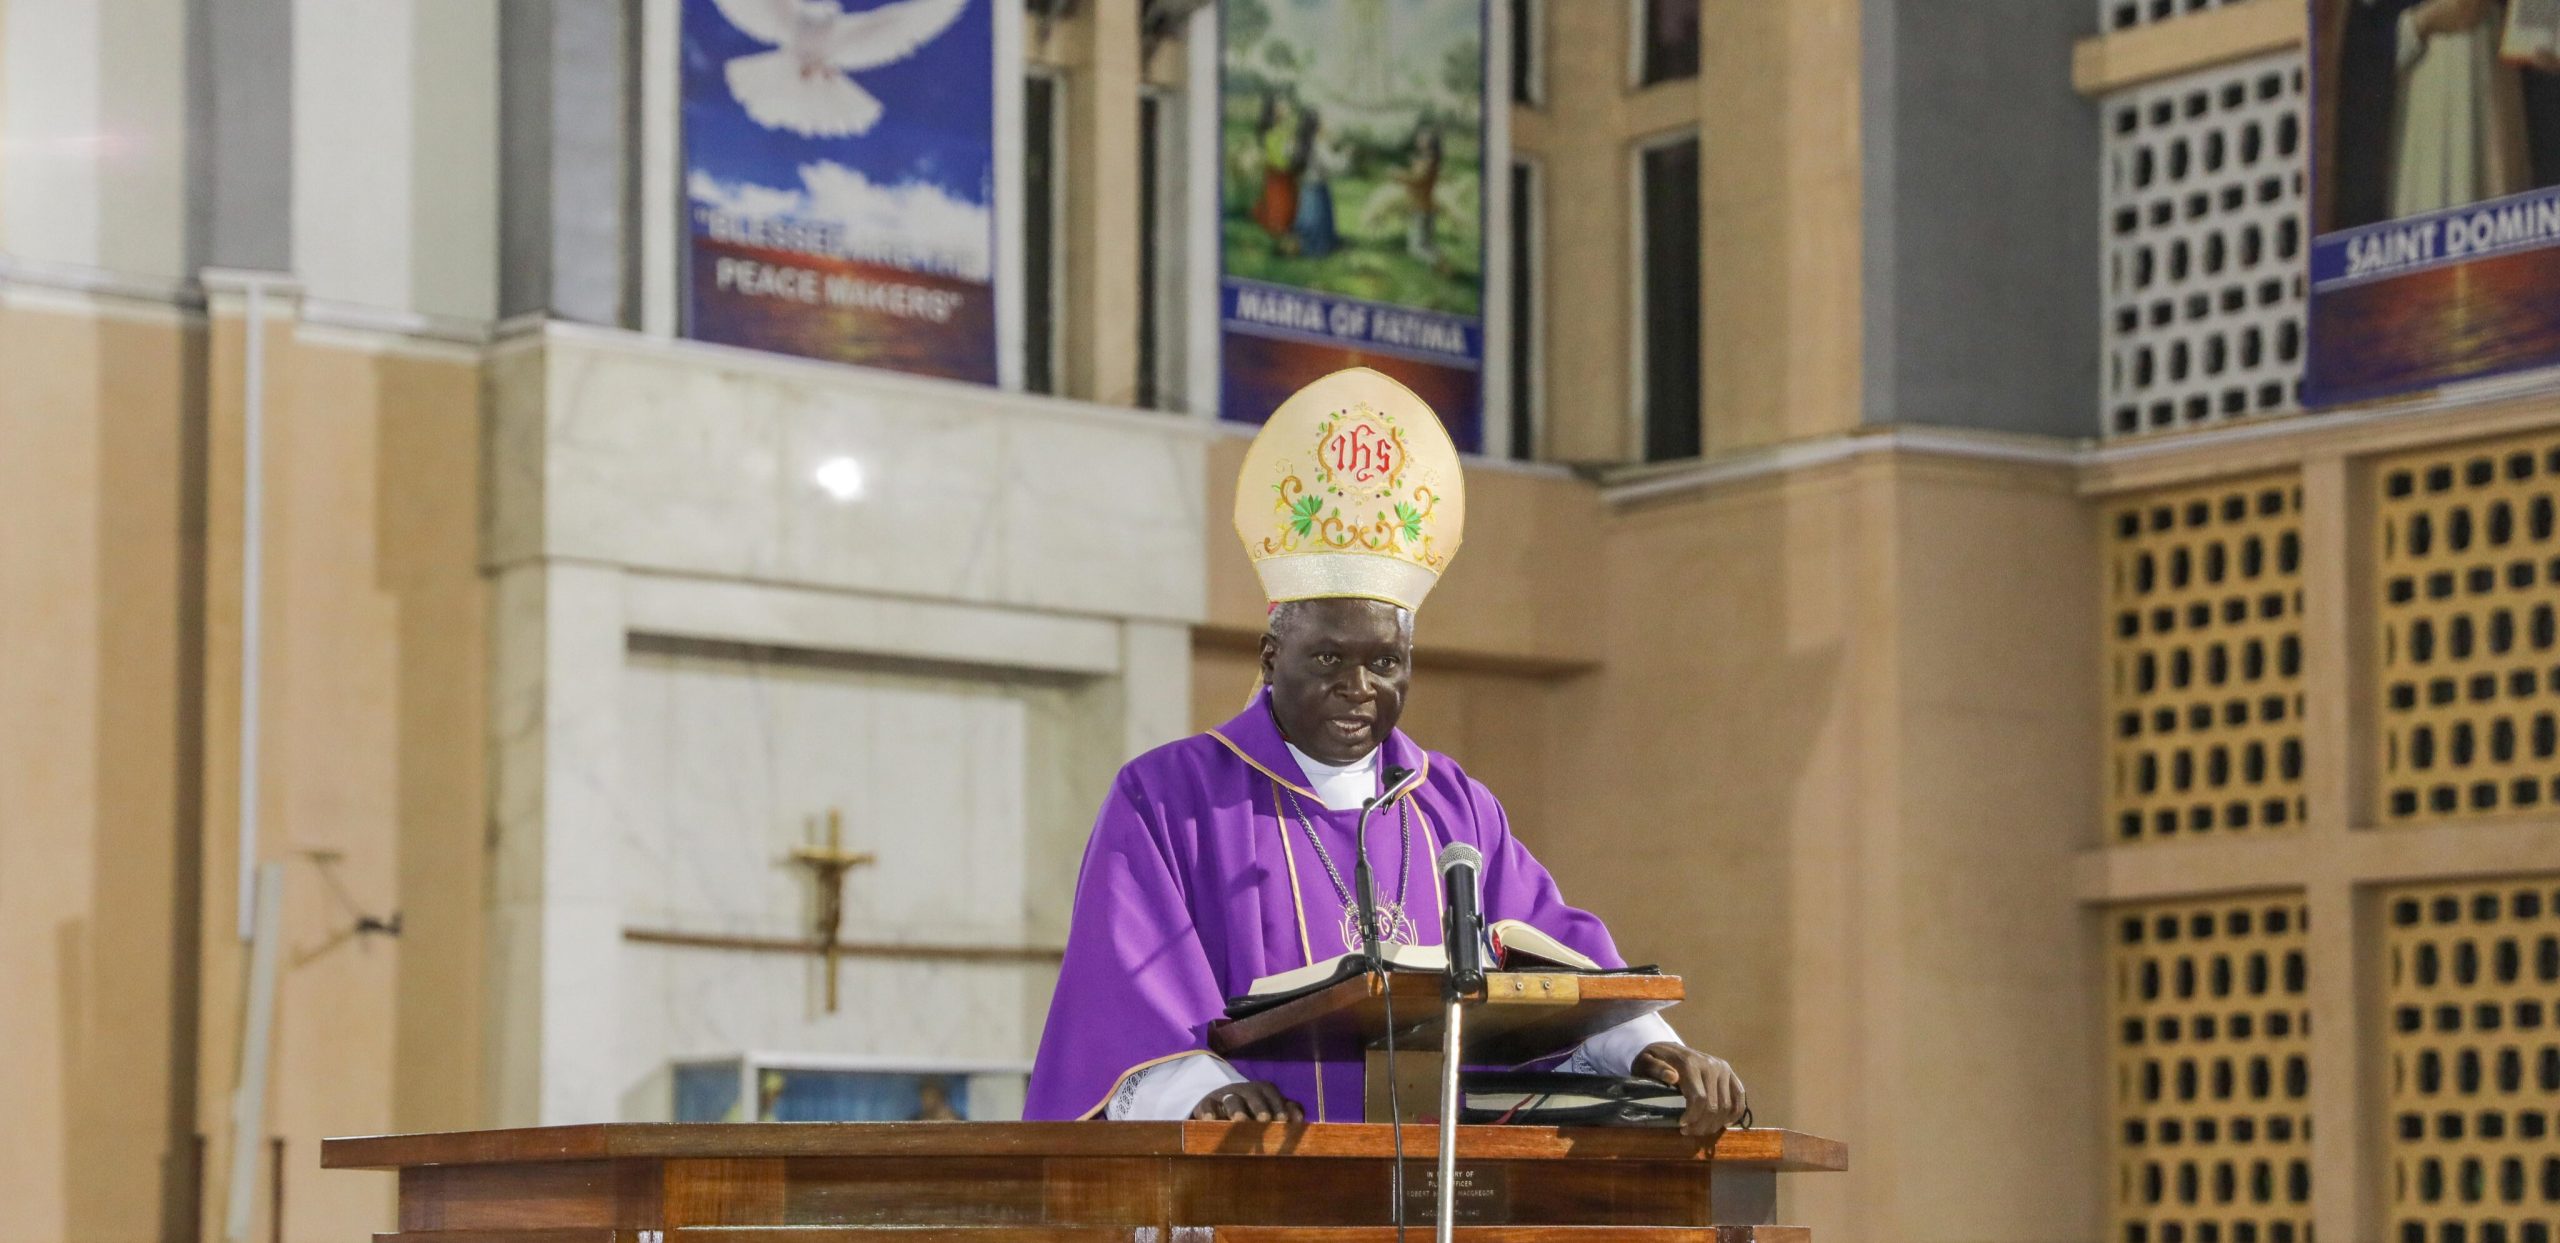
{"x": 839, "y": 160}
{"x": 1351, "y": 211}
{"x": 2436, "y": 195}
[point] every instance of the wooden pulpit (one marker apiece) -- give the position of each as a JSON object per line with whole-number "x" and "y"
{"x": 1131, "y": 1182}
{"x": 1073, "y": 1182}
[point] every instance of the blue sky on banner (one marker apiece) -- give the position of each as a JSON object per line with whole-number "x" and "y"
{"x": 924, "y": 172}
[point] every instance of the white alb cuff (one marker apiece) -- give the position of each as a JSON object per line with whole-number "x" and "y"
{"x": 1169, "y": 1091}
{"x": 2409, "y": 45}
{"x": 1614, "y": 1051}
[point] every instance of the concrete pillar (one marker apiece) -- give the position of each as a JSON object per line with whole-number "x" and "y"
{"x": 93, "y": 135}
{"x": 566, "y": 184}
{"x": 1101, "y": 297}
{"x": 395, "y": 143}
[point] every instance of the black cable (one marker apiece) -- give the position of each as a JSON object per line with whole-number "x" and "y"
{"x": 1373, "y": 946}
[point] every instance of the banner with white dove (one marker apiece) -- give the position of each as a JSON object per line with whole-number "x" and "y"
{"x": 1351, "y": 218}
{"x": 840, "y": 180}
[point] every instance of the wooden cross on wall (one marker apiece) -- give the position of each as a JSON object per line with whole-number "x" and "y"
{"x": 827, "y": 865}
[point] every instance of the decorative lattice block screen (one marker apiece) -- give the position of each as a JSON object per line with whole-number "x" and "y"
{"x": 2209, "y": 1026}
{"x": 2468, "y": 573}
{"x": 2126, "y": 14}
{"x": 2204, "y": 247}
{"x": 2204, "y": 660}
{"x": 2472, "y": 986}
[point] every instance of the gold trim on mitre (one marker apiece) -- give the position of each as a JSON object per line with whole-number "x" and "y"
{"x": 1352, "y": 490}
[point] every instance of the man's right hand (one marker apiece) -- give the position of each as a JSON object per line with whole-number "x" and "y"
{"x": 1254, "y": 1100}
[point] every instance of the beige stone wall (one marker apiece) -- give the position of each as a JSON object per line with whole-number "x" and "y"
{"x": 98, "y": 463}
{"x": 118, "y": 835}
{"x": 1853, "y": 729}
{"x": 1824, "y": 759}
{"x": 374, "y": 739}
{"x": 1781, "y": 211}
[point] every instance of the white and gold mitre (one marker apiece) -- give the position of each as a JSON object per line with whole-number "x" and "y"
{"x": 1351, "y": 490}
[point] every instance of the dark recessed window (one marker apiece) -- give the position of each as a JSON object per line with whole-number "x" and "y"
{"x": 1524, "y": 311}
{"x": 1040, "y": 113}
{"x": 1669, "y": 279}
{"x": 1151, "y": 389}
{"x": 1668, "y": 44}
{"x": 1525, "y": 69}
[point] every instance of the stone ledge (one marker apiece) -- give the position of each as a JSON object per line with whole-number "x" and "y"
{"x": 2107, "y": 63}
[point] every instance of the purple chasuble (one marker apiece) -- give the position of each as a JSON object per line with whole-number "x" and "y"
{"x": 1200, "y": 880}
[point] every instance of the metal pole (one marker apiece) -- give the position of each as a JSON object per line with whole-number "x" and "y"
{"x": 253, "y": 544}
{"x": 257, "y": 1022}
{"x": 1448, "y": 1186}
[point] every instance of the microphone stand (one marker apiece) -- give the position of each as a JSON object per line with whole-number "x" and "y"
{"x": 1462, "y": 937}
{"x": 1447, "y": 1204}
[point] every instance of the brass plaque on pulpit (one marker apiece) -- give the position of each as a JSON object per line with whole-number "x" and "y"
{"x": 1483, "y": 1194}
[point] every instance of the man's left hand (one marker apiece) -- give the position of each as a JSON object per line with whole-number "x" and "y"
{"x": 1713, "y": 1091}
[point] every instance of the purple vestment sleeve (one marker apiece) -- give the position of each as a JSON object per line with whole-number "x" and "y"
{"x": 1136, "y": 986}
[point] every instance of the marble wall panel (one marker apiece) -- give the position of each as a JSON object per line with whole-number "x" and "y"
{"x": 731, "y": 760}
{"x": 682, "y": 457}
{"x": 925, "y": 630}
{"x": 959, "y": 779}
{"x": 554, "y": 914}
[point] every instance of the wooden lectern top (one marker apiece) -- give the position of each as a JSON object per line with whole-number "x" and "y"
{"x": 1525, "y": 1015}
{"x": 1074, "y": 1182}
{"x": 1760, "y": 1148}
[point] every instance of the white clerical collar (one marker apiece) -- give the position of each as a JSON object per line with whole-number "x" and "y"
{"x": 1340, "y": 787}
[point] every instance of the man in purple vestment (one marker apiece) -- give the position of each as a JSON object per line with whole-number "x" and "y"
{"x": 1227, "y": 856}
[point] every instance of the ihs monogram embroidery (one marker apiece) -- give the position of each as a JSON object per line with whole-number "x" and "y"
{"x": 1359, "y": 497}
{"x": 1393, "y": 925}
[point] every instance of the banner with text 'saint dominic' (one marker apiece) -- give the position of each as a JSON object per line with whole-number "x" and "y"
{"x": 2435, "y": 254}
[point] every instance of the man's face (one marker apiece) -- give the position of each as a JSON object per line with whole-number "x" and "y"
{"x": 1338, "y": 671}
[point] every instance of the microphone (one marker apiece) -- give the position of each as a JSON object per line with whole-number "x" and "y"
{"x": 1461, "y": 877}
{"x": 1393, "y": 785}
